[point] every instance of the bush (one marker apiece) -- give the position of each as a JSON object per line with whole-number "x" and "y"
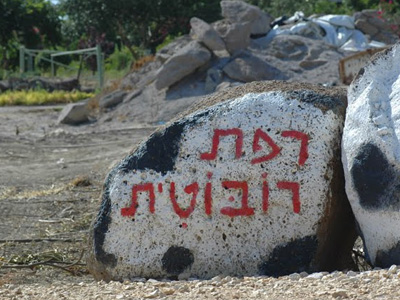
{"x": 119, "y": 60}
{"x": 39, "y": 97}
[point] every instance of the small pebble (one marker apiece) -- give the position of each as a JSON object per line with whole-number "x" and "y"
{"x": 303, "y": 274}
{"x": 392, "y": 269}
{"x": 295, "y": 276}
{"x": 351, "y": 273}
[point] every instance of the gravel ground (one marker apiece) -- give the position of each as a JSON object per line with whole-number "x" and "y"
{"x": 376, "y": 284}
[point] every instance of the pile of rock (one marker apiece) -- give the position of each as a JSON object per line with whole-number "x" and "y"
{"x": 370, "y": 23}
{"x": 239, "y": 49}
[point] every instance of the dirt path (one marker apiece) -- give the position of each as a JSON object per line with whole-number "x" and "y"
{"x": 50, "y": 183}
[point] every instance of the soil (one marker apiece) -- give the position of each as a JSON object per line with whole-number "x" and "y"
{"x": 50, "y": 184}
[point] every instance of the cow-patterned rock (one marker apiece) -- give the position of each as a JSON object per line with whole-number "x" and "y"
{"x": 248, "y": 182}
{"x": 371, "y": 156}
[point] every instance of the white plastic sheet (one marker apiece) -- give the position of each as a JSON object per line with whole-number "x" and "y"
{"x": 339, "y": 20}
{"x": 338, "y": 30}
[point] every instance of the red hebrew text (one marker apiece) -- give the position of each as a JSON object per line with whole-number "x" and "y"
{"x": 147, "y": 187}
{"x": 215, "y": 143}
{"x": 265, "y": 193}
{"x": 275, "y": 150}
{"x": 244, "y": 210}
{"x": 294, "y": 187}
{"x": 303, "y": 146}
{"x": 262, "y": 144}
{"x": 190, "y": 189}
{"x": 207, "y": 196}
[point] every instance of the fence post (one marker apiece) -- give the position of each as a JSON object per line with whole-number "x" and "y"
{"x": 99, "y": 65}
{"x": 21, "y": 59}
{"x": 30, "y": 62}
{"x": 53, "y": 73}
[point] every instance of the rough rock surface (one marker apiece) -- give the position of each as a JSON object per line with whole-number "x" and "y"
{"x": 183, "y": 63}
{"x": 205, "y": 33}
{"x": 370, "y": 22}
{"x": 74, "y": 114}
{"x": 371, "y": 156}
{"x": 247, "y": 68}
{"x": 235, "y": 35}
{"x": 241, "y": 12}
{"x": 112, "y": 99}
{"x": 249, "y": 182}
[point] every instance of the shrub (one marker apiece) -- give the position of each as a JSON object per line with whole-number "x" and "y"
{"x": 39, "y": 97}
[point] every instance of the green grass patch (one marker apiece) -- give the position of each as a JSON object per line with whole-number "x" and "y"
{"x": 40, "y": 97}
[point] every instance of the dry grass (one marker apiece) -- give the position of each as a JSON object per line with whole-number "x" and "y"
{"x": 40, "y": 97}
{"x": 141, "y": 62}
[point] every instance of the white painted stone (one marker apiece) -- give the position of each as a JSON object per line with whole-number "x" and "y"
{"x": 371, "y": 156}
{"x": 134, "y": 239}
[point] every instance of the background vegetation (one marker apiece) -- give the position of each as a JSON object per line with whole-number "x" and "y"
{"x": 129, "y": 29}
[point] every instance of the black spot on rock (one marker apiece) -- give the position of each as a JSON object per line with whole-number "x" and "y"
{"x": 101, "y": 226}
{"x": 374, "y": 179}
{"x": 158, "y": 153}
{"x": 323, "y": 102}
{"x": 176, "y": 260}
{"x": 385, "y": 259}
{"x": 295, "y": 256}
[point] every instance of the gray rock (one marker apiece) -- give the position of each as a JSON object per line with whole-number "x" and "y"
{"x": 183, "y": 63}
{"x": 213, "y": 79}
{"x": 365, "y": 27}
{"x": 255, "y": 169}
{"x": 241, "y": 12}
{"x": 371, "y": 156}
{"x": 205, "y": 33}
{"x": 142, "y": 77}
{"x": 132, "y": 95}
{"x": 74, "y": 114}
{"x": 370, "y": 23}
{"x": 112, "y": 99}
{"x": 235, "y": 35}
{"x": 247, "y": 68}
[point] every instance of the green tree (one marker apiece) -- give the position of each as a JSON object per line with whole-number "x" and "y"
{"x": 137, "y": 22}
{"x": 32, "y": 23}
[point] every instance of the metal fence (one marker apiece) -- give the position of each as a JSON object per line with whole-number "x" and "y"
{"x": 27, "y": 58}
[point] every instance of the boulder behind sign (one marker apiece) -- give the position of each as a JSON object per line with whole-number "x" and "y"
{"x": 249, "y": 182}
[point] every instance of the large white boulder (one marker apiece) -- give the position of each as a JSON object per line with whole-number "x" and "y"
{"x": 249, "y": 182}
{"x": 371, "y": 156}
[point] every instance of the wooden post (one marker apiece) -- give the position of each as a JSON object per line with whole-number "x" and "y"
{"x": 99, "y": 65}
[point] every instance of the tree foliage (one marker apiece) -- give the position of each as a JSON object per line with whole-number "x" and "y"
{"x": 137, "y": 22}
{"x": 279, "y": 8}
{"x": 32, "y": 23}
